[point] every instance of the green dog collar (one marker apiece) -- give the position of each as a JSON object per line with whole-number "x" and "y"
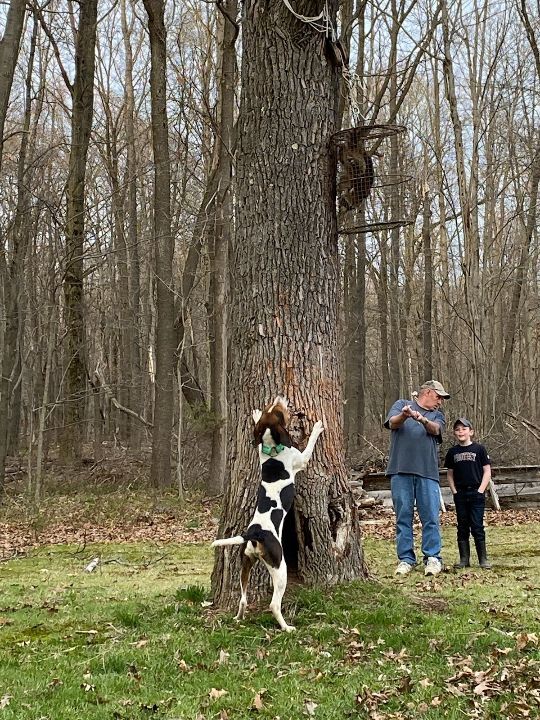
{"x": 269, "y": 449}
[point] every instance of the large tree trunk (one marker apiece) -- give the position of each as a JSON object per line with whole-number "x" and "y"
{"x": 285, "y": 309}
{"x": 81, "y": 124}
{"x": 165, "y": 333}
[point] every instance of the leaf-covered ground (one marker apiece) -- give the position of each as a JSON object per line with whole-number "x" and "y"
{"x": 105, "y": 513}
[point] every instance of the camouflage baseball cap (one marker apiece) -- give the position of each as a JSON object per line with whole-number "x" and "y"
{"x": 435, "y": 385}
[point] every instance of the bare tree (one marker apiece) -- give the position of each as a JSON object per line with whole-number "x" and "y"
{"x": 165, "y": 335}
{"x": 220, "y": 251}
{"x": 11, "y": 268}
{"x": 82, "y": 94}
{"x": 9, "y": 53}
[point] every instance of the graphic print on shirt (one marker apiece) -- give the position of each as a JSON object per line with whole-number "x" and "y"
{"x": 465, "y": 456}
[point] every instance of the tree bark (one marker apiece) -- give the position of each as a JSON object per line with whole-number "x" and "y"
{"x": 467, "y": 198}
{"x": 165, "y": 335}
{"x": 10, "y": 272}
{"x": 427, "y": 343}
{"x": 395, "y": 307}
{"x": 220, "y": 255}
{"x": 285, "y": 309}
{"x": 81, "y": 124}
{"x": 132, "y": 332}
{"x": 9, "y": 54}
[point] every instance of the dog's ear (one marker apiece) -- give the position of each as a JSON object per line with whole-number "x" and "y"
{"x": 281, "y": 436}
{"x": 256, "y": 415}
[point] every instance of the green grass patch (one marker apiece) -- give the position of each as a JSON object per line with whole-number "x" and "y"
{"x": 135, "y": 639}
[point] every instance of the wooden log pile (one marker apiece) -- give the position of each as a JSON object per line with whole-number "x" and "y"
{"x": 516, "y": 487}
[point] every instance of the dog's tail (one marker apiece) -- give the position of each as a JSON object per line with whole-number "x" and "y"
{"x": 237, "y": 540}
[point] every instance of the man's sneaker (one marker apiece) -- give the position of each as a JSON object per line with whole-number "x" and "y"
{"x": 433, "y": 566}
{"x": 404, "y": 568}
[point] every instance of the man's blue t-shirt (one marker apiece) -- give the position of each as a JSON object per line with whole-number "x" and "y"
{"x": 413, "y": 451}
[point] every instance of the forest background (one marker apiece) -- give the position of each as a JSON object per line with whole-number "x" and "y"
{"x": 119, "y": 205}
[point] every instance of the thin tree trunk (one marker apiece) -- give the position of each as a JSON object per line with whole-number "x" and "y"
{"x": 471, "y": 269}
{"x": 165, "y": 335}
{"x": 13, "y": 273}
{"x": 529, "y": 226}
{"x": 81, "y": 124}
{"x": 179, "y": 477}
{"x": 220, "y": 255}
{"x": 132, "y": 331}
{"x": 43, "y": 410}
{"x": 394, "y": 294}
{"x": 427, "y": 344}
{"x": 9, "y": 54}
{"x": 443, "y": 268}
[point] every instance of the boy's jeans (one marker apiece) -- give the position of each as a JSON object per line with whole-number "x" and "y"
{"x": 406, "y": 489}
{"x": 470, "y": 505}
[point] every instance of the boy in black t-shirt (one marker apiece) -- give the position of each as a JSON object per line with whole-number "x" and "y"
{"x": 469, "y": 473}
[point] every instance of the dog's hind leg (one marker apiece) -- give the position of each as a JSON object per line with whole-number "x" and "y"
{"x": 279, "y": 578}
{"x": 247, "y": 563}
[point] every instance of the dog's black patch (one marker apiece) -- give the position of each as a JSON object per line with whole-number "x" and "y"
{"x": 276, "y": 516}
{"x": 273, "y": 470}
{"x": 264, "y": 503}
{"x": 287, "y": 496}
{"x": 272, "y": 551}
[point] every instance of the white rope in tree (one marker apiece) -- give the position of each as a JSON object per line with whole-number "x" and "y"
{"x": 353, "y": 81}
{"x": 321, "y": 23}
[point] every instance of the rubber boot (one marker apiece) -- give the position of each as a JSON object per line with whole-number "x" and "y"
{"x": 482, "y": 554}
{"x": 464, "y": 555}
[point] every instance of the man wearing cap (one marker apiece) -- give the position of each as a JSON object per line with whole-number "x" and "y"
{"x": 416, "y": 429}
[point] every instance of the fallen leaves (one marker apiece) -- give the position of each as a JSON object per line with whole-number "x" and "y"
{"x": 381, "y": 524}
{"x": 194, "y": 524}
{"x": 518, "y": 679}
{"x": 526, "y": 641}
{"x": 216, "y": 694}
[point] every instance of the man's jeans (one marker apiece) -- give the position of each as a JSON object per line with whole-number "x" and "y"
{"x": 470, "y": 505}
{"x": 406, "y": 489}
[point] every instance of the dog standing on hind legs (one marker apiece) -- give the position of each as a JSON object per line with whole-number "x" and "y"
{"x": 280, "y": 462}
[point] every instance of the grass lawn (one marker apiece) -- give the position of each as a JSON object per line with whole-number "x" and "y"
{"x": 134, "y": 639}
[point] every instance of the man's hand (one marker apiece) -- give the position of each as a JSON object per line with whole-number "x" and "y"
{"x": 410, "y": 413}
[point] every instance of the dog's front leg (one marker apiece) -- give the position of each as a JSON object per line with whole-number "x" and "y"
{"x": 305, "y": 456}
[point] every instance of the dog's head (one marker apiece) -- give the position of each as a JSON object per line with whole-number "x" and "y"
{"x": 275, "y": 417}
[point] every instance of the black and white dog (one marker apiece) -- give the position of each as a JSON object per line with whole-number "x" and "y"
{"x": 280, "y": 462}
